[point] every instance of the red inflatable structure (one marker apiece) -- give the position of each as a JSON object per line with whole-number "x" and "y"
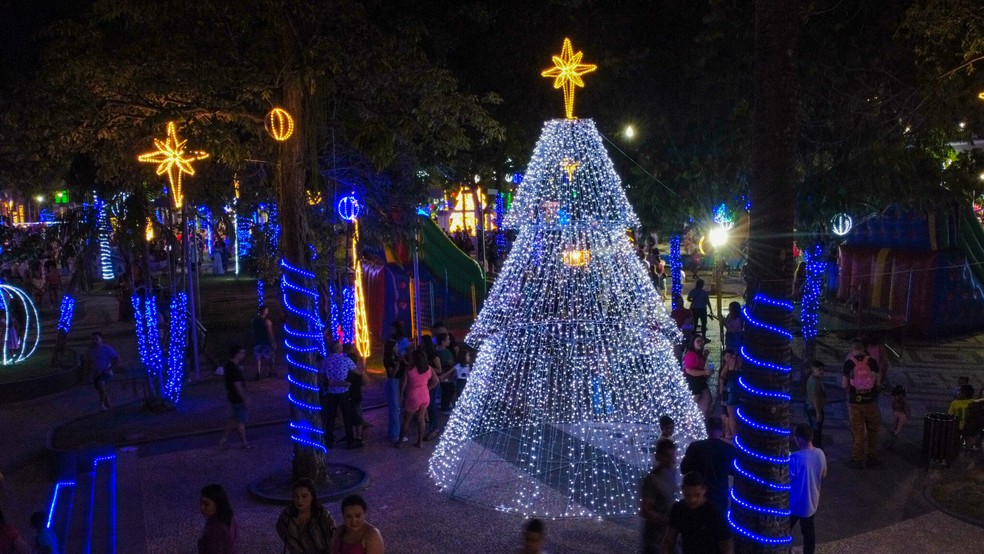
{"x": 923, "y": 270}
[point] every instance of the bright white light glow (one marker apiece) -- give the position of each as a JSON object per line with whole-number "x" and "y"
{"x": 575, "y": 360}
{"x": 718, "y": 236}
{"x": 629, "y": 131}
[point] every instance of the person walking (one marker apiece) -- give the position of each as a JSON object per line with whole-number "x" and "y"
{"x": 235, "y": 385}
{"x": 447, "y": 374}
{"x": 102, "y": 360}
{"x": 305, "y": 526}
{"x": 356, "y": 378}
{"x": 807, "y": 468}
{"x": 657, "y": 491}
{"x": 221, "y": 534}
{"x": 420, "y": 380}
{"x": 697, "y": 521}
{"x": 334, "y": 394}
{"x": 713, "y": 458}
{"x": 816, "y": 398}
{"x": 396, "y": 353}
{"x": 700, "y": 306}
{"x": 356, "y": 535}
{"x": 264, "y": 342}
{"x": 861, "y": 384}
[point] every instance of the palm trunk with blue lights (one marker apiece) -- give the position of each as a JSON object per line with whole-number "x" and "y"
{"x": 303, "y": 329}
{"x": 759, "y": 514}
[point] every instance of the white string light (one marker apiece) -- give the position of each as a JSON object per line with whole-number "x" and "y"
{"x": 575, "y": 361}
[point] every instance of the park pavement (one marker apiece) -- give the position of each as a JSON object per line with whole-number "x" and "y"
{"x": 876, "y": 510}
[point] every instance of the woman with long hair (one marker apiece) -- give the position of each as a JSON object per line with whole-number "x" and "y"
{"x": 421, "y": 379}
{"x": 221, "y": 534}
{"x": 305, "y": 526}
{"x": 728, "y": 390}
{"x": 734, "y": 327}
{"x": 696, "y": 371}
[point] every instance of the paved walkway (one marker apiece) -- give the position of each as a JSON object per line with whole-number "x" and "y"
{"x": 880, "y": 510}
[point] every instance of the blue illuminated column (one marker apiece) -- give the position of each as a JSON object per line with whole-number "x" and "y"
{"x": 676, "y": 267}
{"x": 348, "y": 315}
{"x": 66, "y": 314}
{"x": 760, "y": 496}
{"x": 105, "y": 254}
{"x": 300, "y": 298}
{"x": 816, "y": 267}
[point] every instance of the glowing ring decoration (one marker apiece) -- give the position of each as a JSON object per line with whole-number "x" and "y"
{"x": 841, "y": 224}
{"x": 24, "y": 343}
{"x": 279, "y": 124}
{"x": 348, "y": 208}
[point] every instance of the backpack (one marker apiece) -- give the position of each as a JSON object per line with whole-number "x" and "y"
{"x": 862, "y": 378}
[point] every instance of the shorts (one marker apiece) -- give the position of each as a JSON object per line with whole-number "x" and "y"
{"x": 697, "y": 385}
{"x": 240, "y": 413}
{"x": 264, "y": 351}
{"x": 103, "y": 377}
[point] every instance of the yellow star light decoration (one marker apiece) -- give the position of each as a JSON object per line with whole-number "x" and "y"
{"x": 567, "y": 71}
{"x": 570, "y": 166}
{"x": 172, "y": 159}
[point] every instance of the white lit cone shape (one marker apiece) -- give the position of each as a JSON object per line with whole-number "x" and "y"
{"x": 575, "y": 360}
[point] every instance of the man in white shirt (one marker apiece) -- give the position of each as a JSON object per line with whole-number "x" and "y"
{"x": 807, "y": 467}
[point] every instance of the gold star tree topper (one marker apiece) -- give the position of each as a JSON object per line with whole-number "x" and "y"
{"x": 173, "y": 160}
{"x": 567, "y": 71}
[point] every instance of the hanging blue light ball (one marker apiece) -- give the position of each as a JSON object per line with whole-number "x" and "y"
{"x": 348, "y": 208}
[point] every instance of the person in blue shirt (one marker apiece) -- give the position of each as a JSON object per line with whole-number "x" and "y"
{"x": 102, "y": 361}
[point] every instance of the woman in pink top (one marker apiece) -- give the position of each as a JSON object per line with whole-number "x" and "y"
{"x": 356, "y": 536}
{"x": 696, "y": 372}
{"x": 420, "y": 379}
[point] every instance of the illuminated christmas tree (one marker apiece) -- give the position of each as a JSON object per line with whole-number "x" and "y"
{"x": 575, "y": 359}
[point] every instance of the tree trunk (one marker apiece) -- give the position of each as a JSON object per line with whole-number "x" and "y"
{"x": 308, "y": 460}
{"x": 763, "y": 443}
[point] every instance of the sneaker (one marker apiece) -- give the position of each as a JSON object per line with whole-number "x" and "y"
{"x": 873, "y": 461}
{"x": 854, "y": 464}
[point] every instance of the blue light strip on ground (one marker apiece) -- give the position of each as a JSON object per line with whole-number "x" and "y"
{"x": 54, "y": 500}
{"x": 92, "y": 503}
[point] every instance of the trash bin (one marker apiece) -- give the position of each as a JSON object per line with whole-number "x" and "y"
{"x": 941, "y": 438}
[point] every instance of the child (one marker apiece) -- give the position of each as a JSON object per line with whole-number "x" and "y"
{"x": 959, "y": 407}
{"x": 666, "y": 426}
{"x": 461, "y": 370}
{"x": 900, "y": 409}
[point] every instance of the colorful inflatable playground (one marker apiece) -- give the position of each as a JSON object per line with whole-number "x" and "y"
{"x": 923, "y": 270}
{"x": 444, "y": 284}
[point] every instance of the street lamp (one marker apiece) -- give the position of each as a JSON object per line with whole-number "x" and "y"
{"x": 39, "y": 199}
{"x": 629, "y": 132}
{"x": 719, "y": 238}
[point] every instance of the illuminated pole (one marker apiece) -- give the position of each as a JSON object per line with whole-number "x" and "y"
{"x": 719, "y": 238}
{"x": 174, "y": 160}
